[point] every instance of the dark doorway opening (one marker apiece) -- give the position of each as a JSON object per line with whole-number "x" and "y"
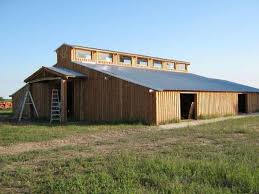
{"x": 70, "y": 99}
{"x": 188, "y": 106}
{"x": 242, "y": 103}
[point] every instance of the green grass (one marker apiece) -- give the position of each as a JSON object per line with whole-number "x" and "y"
{"x": 5, "y": 112}
{"x": 6, "y": 100}
{"x": 204, "y": 117}
{"x": 222, "y": 157}
{"x": 19, "y": 133}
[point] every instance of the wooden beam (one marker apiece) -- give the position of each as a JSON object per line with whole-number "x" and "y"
{"x": 63, "y": 97}
{"x": 44, "y": 79}
{"x": 34, "y": 74}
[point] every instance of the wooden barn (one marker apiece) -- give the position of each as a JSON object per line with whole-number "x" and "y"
{"x": 97, "y": 85}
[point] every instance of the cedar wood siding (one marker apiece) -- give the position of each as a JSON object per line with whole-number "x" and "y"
{"x": 97, "y": 99}
{"x": 16, "y": 100}
{"x": 216, "y": 104}
{"x": 253, "y": 102}
{"x": 167, "y": 107}
{"x": 166, "y": 104}
{"x": 105, "y": 98}
{"x": 209, "y": 104}
{"x": 41, "y": 92}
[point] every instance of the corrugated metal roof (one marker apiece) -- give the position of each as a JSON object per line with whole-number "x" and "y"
{"x": 66, "y": 72}
{"x": 166, "y": 80}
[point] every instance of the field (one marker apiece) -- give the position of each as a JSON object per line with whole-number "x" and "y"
{"x": 222, "y": 157}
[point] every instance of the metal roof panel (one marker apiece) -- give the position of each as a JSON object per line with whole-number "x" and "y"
{"x": 66, "y": 71}
{"x": 167, "y": 80}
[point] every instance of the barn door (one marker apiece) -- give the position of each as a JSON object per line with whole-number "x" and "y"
{"x": 188, "y": 106}
{"x": 70, "y": 99}
{"x": 242, "y": 103}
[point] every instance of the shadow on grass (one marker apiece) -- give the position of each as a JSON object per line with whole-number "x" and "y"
{"x": 45, "y": 122}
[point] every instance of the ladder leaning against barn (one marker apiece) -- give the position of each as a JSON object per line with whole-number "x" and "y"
{"x": 24, "y": 102}
{"x": 55, "y": 106}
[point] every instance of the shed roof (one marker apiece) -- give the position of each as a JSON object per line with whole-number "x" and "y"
{"x": 65, "y": 71}
{"x": 57, "y": 71}
{"x": 166, "y": 80}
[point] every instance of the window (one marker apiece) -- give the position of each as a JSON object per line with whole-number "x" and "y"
{"x": 180, "y": 67}
{"x": 105, "y": 57}
{"x": 125, "y": 60}
{"x": 142, "y": 62}
{"x": 157, "y": 64}
{"x": 170, "y": 66}
{"x": 84, "y": 54}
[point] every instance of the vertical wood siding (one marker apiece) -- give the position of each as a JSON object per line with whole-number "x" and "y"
{"x": 41, "y": 96}
{"x": 17, "y": 100}
{"x": 41, "y": 93}
{"x": 105, "y": 98}
{"x": 210, "y": 104}
{"x": 253, "y": 102}
{"x": 167, "y": 107}
{"x": 67, "y": 53}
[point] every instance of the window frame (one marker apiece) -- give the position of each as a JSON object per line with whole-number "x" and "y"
{"x": 157, "y": 62}
{"x": 125, "y": 56}
{"x": 144, "y": 59}
{"x": 104, "y": 60}
{"x": 84, "y": 51}
{"x": 181, "y": 69}
{"x": 173, "y": 66}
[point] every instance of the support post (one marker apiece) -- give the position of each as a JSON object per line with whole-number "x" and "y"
{"x": 31, "y": 115}
{"x": 63, "y": 97}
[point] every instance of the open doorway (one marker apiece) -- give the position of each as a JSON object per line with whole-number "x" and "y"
{"x": 188, "y": 106}
{"x": 70, "y": 99}
{"x": 242, "y": 103}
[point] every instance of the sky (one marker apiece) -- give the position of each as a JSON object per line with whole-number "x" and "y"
{"x": 220, "y": 38}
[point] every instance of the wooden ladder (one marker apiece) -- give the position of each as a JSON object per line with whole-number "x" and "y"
{"x": 26, "y": 102}
{"x": 55, "y": 106}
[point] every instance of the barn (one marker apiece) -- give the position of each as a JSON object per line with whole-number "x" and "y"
{"x": 97, "y": 85}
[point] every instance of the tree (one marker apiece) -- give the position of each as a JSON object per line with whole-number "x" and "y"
{"x": 1, "y": 98}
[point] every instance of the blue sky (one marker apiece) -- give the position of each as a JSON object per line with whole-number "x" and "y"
{"x": 220, "y": 38}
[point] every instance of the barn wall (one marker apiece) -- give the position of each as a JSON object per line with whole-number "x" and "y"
{"x": 41, "y": 93}
{"x": 41, "y": 96}
{"x": 209, "y": 104}
{"x": 66, "y": 53}
{"x": 168, "y": 107}
{"x": 253, "y": 102}
{"x": 17, "y": 100}
{"x": 105, "y": 98}
{"x": 212, "y": 104}
{"x": 63, "y": 54}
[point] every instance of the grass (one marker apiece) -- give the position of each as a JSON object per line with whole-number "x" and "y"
{"x": 13, "y": 133}
{"x": 205, "y": 117}
{"x": 6, "y": 100}
{"x": 5, "y": 113}
{"x": 222, "y": 157}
